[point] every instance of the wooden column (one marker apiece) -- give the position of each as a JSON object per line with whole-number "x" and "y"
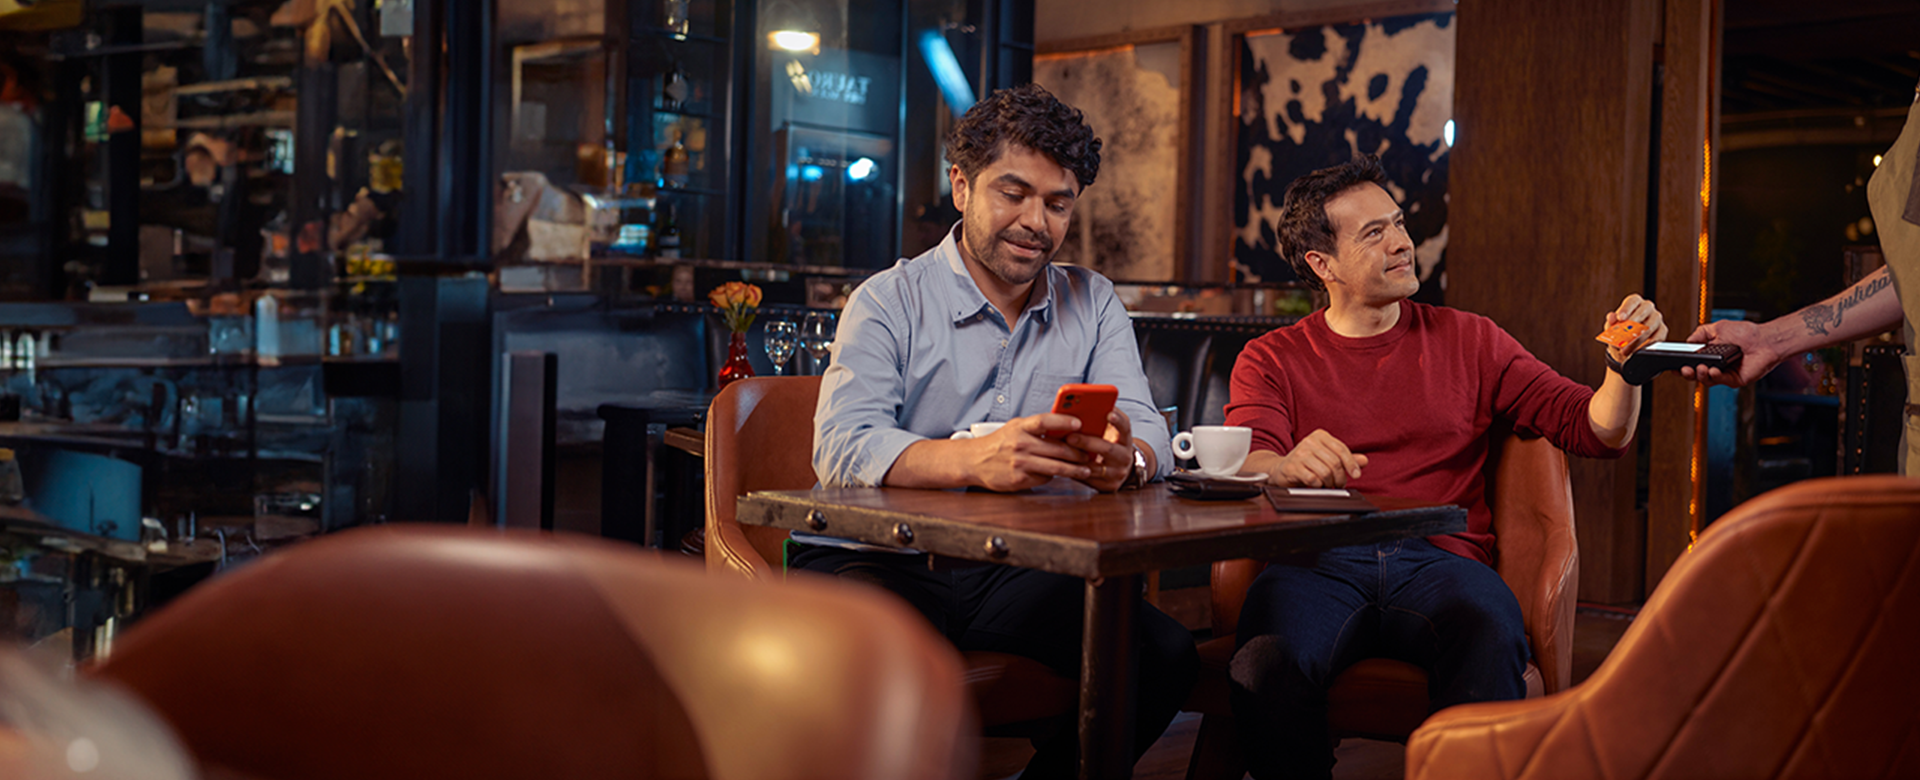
{"x": 1553, "y": 109}
{"x": 1217, "y": 181}
{"x": 1683, "y": 221}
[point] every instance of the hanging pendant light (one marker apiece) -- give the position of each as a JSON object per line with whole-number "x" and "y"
{"x": 791, "y": 29}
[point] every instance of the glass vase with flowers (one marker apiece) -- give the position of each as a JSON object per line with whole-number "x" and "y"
{"x": 736, "y": 302}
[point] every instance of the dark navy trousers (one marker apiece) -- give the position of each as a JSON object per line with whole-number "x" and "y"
{"x": 1306, "y": 621}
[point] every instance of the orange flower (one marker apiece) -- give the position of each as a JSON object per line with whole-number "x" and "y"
{"x": 736, "y": 301}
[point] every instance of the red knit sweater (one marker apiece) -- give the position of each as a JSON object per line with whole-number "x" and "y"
{"x": 1416, "y": 400}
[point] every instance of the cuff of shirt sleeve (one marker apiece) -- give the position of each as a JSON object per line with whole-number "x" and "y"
{"x": 877, "y": 455}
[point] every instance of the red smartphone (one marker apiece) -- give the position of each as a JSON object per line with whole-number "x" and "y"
{"x": 1089, "y": 403}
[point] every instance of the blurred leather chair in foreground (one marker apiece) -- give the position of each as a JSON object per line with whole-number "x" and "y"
{"x": 411, "y": 652}
{"x": 760, "y": 437}
{"x": 1380, "y": 698}
{"x": 1781, "y": 646}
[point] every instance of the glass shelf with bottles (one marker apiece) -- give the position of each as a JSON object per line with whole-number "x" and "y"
{"x": 659, "y": 233}
{"x": 690, "y": 114}
{"x": 681, "y": 141}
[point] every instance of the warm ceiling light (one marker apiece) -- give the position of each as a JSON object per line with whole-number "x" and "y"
{"x": 791, "y": 27}
{"x": 794, "y": 40}
{"x": 1876, "y": 161}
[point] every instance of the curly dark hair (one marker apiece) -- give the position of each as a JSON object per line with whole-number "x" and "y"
{"x": 1032, "y": 117}
{"x": 1304, "y": 226}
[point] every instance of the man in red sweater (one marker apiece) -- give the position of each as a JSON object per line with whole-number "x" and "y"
{"x": 1393, "y": 398}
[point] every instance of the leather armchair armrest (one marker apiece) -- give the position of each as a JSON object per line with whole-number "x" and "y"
{"x": 1230, "y": 582}
{"x": 758, "y": 438}
{"x": 1538, "y": 555}
{"x": 730, "y": 549}
{"x": 1494, "y": 741}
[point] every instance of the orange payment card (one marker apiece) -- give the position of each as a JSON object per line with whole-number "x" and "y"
{"x": 1621, "y": 334}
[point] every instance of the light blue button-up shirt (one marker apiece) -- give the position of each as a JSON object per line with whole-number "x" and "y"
{"x": 920, "y": 354}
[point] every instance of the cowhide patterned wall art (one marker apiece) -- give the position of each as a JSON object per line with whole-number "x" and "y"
{"x": 1316, "y": 96}
{"x": 1125, "y": 225}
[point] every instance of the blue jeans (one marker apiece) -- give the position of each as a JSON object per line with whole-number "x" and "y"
{"x": 1407, "y": 600}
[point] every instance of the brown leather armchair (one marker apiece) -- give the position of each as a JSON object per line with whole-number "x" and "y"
{"x": 431, "y": 651}
{"x": 1531, "y": 499}
{"x": 1777, "y": 647}
{"x": 760, "y": 437}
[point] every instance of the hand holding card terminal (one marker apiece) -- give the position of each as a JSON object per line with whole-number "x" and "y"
{"x": 1659, "y": 356}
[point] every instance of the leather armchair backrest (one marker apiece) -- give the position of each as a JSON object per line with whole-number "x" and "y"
{"x": 1216, "y": 378}
{"x": 1174, "y": 361}
{"x": 434, "y": 651}
{"x": 759, "y": 437}
{"x": 1781, "y": 645}
{"x": 1189, "y": 363}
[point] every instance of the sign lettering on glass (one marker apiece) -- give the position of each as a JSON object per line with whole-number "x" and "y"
{"x": 827, "y": 85}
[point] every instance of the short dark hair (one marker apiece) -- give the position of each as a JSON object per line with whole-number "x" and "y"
{"x": 1304, "y": 226}
{"x": 1032, "y": 117}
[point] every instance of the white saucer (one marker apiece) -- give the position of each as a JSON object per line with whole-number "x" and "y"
{"x": 1257, "y": 476}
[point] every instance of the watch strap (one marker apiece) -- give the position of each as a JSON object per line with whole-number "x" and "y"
{"x": 1621, "y": 369}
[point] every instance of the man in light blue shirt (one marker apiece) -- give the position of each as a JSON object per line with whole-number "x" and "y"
{"x": 982, "y": 328}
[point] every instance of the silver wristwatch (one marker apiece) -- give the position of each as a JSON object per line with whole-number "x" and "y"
{"x": 1136, "y": 476}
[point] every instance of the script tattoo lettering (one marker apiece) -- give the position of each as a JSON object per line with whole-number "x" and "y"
{"x": 1820, "y": 317}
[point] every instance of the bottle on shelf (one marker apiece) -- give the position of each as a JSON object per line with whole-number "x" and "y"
{"x": 677, "y": 19}
{"x": 12, "y": 490}
{"x": 696, "y": 140}
{"x": 676, "y": 164}
{"x": 266, "y": 326}
{"x": 667, "y": 236}
{"x": 673, "y": 89}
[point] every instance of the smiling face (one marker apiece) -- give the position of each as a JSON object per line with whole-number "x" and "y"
{"x": 1373, "y": 256}
{"x": 1014, "y": 213}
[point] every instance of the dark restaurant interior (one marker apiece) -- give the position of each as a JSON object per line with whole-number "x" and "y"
{"x": 421, "y": 388}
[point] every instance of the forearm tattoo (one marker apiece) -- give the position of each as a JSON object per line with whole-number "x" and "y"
{"x": 1822, "y": 317}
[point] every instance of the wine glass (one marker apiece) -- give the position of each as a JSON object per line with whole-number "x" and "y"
{"x": 782, "y": 338}
{"x": 817, "y": 336}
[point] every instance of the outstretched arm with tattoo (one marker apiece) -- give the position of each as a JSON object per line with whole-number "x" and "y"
{"x": 1868, "y": 307}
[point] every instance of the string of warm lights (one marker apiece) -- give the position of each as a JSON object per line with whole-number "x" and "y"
{"x": 1697, "y": 494}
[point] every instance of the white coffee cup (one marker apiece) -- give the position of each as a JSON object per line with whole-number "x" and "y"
{"x": 977, "y": 430}
{"x": 1221, "y": 449}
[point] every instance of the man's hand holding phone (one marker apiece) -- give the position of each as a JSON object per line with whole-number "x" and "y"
{"x": 1030, "y": 451}
{"x": 1110, "y": 454}
{"x": 1083, "y": 438}
{"x": 1103, "y": 435}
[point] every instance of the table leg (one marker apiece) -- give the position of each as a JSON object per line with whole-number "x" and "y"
{"x": 626, "y": 498}
{"x": 1107, "y": 665}
{"x": 649, "y": 521}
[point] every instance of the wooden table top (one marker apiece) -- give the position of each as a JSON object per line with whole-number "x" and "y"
{"x": 688, "y": 440}
{"x": 1068, "y": 528}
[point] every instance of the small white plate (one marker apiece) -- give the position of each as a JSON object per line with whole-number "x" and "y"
{"x": 1256, "y": 476}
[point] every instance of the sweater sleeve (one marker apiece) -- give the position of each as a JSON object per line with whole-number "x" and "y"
{"x": 1539, "y": 401}
{"x": 1259, "y": 398}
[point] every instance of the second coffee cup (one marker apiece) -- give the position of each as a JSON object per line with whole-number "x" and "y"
{"x": 977, "y": 430}
{"x": 1221, "y": 449}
